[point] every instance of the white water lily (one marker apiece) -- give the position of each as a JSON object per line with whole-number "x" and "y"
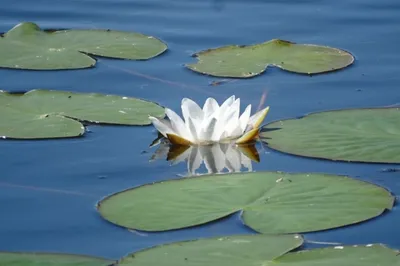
{"x": 210, "y": 124}
{"x": 217, "y": 158}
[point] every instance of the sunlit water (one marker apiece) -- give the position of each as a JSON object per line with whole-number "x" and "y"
{"x": 48, "y": 189}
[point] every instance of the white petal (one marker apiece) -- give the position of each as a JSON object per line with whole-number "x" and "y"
{"x": 244, "y": 118}
{"x": 191, "y": 109}
{"x": 192, "y": 128}
{"x": 178, "y": 125}
{"x": 194, "y": 160}
{"x": 163, "y": 126}
{"x": 210, "y": 107}
{"x": 233, "y": 122}
{"x": 208, "y": 130}
{"x": 228, "y": 102}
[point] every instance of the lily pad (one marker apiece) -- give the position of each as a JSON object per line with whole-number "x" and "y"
{"x": 270, "y": 202}
{"x": 50, "y": 259}
{"x": 233, "y": 251}
{"x": 370, "y": 255}
{"x": 41, "y": 114}
{"x": 358, "y": 135}
{"x": 26, "y": 46}
{"x": 248, "y": 61}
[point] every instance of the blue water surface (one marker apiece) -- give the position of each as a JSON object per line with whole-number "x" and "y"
{"x": 48, "y": 189}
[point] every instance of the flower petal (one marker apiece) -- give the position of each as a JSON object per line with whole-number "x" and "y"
{"x": 210, "y": 107}
{"x": 228, "y": 102}
{"x": 163, "y": 126}
{"x": 178, "y": 125}
{"x": 256, "y": 120}
{"x": 244, "y": 118}
{"x": 175, "y": 139}
{"x": 206, "y": 133}
{"x": 192, "y": 128}
{"x": 191, "y": 109}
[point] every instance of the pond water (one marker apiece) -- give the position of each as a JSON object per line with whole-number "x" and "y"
{"x": 48, "y": 189}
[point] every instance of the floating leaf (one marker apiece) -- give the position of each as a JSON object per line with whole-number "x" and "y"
{"x": 249, "y": 61}
{"x": 370, "y": 255}
{"x": 50, "y": 259}
{"x": 272, "y": 202}
{"x": 242, "y": 250}
{"x": 26, "y": 46}
{"x": 359, "y": 135}
{"x": 50, "y": 114}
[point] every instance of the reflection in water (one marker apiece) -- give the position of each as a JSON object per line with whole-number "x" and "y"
{"x": 217, "y": 158}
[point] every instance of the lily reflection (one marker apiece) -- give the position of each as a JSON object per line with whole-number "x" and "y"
{"x": 217, "y": 158}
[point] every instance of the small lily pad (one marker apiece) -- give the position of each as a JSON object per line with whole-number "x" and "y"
{"x": 357, "y": 135}
{"x": 271, "y": 202}
{"x": 26, "y": 46}
{"x": 248, "y": 61}
{"x": 50, "y": 259}
{"x": 244, "y": 250}
{"x": 41, "y": 114}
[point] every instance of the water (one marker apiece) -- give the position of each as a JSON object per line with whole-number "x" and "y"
{"x": 48, "y": 189}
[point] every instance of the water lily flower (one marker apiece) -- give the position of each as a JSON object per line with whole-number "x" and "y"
{"x": 210, "y": 124}
{"x": 217, "y": 158}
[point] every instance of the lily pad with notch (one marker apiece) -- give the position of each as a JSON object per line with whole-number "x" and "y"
{"x": 39, "y": 114}
{"x": 50, "y": 259}
{"x": 26, "y": 46}
{"x": 354, "y": 135}
{"x": 269, "y": 202}
{"x": 248, "y": 61}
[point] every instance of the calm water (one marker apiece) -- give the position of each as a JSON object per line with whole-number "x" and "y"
{"x": 48, "y": 189}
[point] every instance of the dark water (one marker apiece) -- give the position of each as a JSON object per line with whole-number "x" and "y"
{"x": 48, "y": 189}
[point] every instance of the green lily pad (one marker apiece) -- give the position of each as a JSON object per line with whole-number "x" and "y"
{"x": 260, "y": 250}
{"x": 41, "y": 114}
{"x": 248, "y": 61}
{"x": 50, "y": 259}
{"x": 358, "y": 135}
{"x": 271, "y": 202}
{"x": 370, "y": 255}
{"x": 242, "y": 250}
{"x": 26, "y": 46}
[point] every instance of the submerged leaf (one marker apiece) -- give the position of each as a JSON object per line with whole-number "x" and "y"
{"x": 26, "y": 46}
{"x": 272, "y": 202}
{"x": 358, "y": 135}
{"x": 249, "y": 61}
{"x": 53, "y": 114}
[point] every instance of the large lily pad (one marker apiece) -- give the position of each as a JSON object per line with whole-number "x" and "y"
{"x": 249, "y": 61}
{"x": 359, "y": 135}
{"x": 26, "y": 46}
{"x": 233, "y": 251}
{"x": 53, "y": 114}
{"x": 50, "y": 259}
{"x": 370, "y": 255}
{"x": 272, "y": 202}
